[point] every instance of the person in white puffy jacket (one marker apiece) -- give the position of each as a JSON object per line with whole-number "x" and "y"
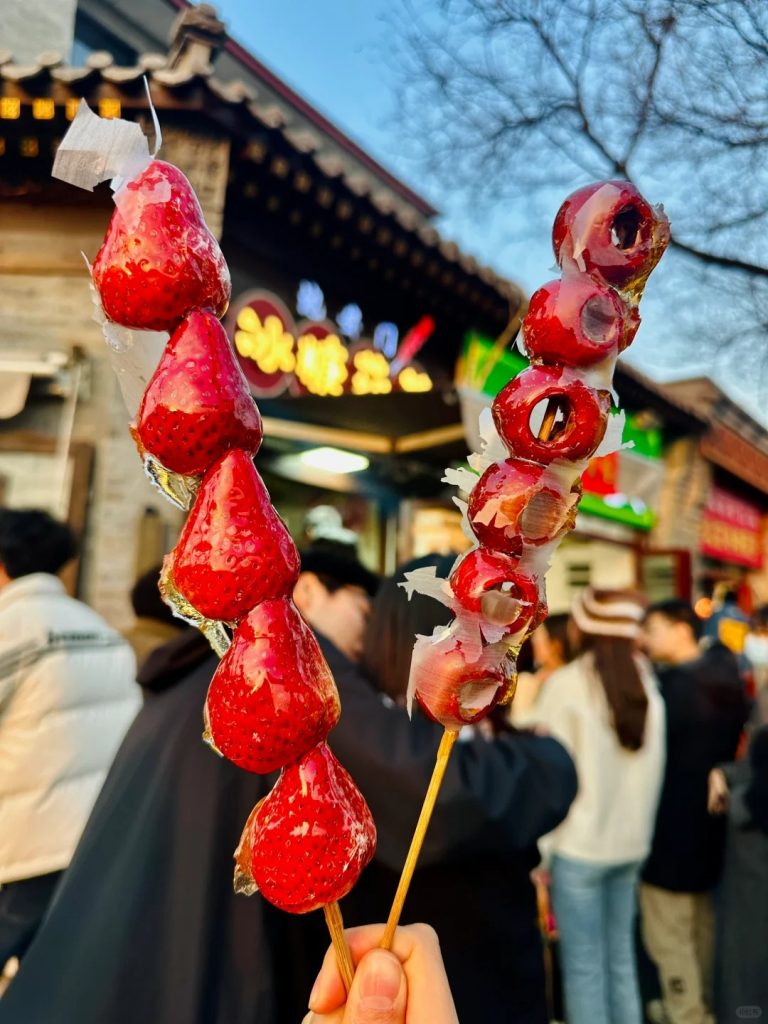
{"x": 67, "y": 696}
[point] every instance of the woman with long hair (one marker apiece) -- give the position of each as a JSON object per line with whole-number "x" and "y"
{"x": 606, "y": 710}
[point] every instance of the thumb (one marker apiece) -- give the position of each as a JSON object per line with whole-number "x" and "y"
{"x": 379, "y": 991}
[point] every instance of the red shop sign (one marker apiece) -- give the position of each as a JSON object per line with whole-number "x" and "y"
{"x": 731, "y": 529}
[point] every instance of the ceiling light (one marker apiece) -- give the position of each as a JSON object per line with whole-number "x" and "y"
{"x": 334, "y": 460}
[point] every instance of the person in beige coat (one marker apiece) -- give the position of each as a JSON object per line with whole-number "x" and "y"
{"x": 67, "y": 696}
{"x": 606, "y": 710}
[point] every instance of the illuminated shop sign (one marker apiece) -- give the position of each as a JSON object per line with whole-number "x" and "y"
{"x": 731, "y": 529}
{"x": 319, "y": 356}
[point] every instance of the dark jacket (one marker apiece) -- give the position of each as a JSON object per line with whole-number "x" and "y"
{"x": 741, "y": 978}
{"x": 472, "y": 884}
{"x": 706, "y": 711}
{"x": 145, "y": 926}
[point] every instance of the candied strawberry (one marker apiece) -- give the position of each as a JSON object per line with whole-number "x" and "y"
{"x": 159, "y": 261}
{"x": 490, "y": 583}
{"x": 234, "y": 550}
{"x": 578, "y": 322}
{"x": 197, "y": 404}
{"x": 609, "y": 229}
{"x": 575, "y": 437}
{"x": 310, "y": 838}
{"x": 273, "y": 697}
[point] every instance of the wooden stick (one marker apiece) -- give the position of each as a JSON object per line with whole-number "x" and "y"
{"x": 441, "y": 763}
{"x": 335, "y": 924}
{"x": 545, "y": 430}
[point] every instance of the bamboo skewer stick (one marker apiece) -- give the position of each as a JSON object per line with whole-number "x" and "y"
{"x": 441, "y": 763}
{"x": 335, "y": 924}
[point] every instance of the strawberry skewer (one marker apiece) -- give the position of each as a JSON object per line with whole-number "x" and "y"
{"x": 607, "y": 240}
{"x": 272, "y": 700}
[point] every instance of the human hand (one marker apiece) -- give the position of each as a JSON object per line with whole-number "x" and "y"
{"x": 406, "y": 986}
{"x": 717, "y": 797}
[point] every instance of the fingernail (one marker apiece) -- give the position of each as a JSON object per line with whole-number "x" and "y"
{"x": 380, "y": 981}
{"x": 309, "y": 1018}
{"x": 313, "y": 994}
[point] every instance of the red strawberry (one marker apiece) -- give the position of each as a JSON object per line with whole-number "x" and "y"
{"x": 272, "y": 697}
{"x": 310, "y": 839}
{"x": 159, "y": 261}
{"x": 235, "y": 550}
{"x": 197, "y": 404}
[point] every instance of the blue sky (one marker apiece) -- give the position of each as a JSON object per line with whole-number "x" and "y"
{"x": 336, "y": 54}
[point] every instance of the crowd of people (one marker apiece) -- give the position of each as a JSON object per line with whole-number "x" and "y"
{"x": 612, "y": 786}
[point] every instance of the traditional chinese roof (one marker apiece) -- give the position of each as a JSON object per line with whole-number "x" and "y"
{"x": 268, "y": 123}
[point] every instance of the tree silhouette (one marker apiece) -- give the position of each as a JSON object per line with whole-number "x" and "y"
{"x": 506, "y": 100}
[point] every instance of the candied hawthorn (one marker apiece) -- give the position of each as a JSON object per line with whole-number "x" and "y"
{"x": 306, "y": 844}
{"x": 582, "y": 415}
{"x": 489, "y": 583}
{"x": 197, "y": 404}
{"x": 159, "y": 261}
{"x": 515, "y": 503}
{"x": 453, "y": 690}
{"x": 234, "y": 550}
{"x": 609, "y": 229}
{"x": 578, "y": 322}
{"x": 272, "y": 697}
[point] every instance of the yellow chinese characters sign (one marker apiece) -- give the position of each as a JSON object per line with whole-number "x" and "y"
{"x": 311, "y": 357}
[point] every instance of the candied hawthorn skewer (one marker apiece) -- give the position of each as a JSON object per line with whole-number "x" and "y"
{"x": 607, "y": 240}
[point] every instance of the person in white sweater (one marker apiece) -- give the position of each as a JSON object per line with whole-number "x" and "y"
{"x": 67, "y": 696}
{"x": 605, "y": 709}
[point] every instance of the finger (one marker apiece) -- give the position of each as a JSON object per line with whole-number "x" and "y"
{"x": 379, "y": 991}
{"x": 416, "y": 946}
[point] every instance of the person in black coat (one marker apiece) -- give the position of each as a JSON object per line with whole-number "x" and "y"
{"x": 740, "y": 791}
{"x": 498, "y": 797}
{"x": 706, "y": 711}
{"x": 145, "y": 926}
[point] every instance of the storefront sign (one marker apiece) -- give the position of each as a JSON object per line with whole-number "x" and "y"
{"x": 318, "y": 356}
{"x": 731, "y": 529}
{"x": 623, "y": 487}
